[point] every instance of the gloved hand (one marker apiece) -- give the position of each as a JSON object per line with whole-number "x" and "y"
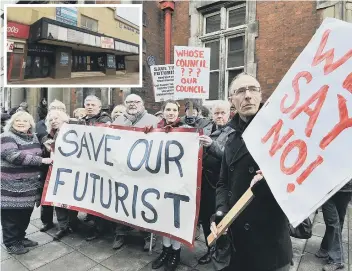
{"x": 147, "y": 129}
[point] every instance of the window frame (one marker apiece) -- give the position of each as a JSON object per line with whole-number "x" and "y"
{"x": 85, "y": 27}
{"x": 217, "y": 70}
{"x": 228, "y": 14}
{"x": 226, "y": 59}
{"x": 205, "y": 23}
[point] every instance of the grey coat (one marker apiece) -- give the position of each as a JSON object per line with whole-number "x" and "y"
{"x": 146, "y": 120}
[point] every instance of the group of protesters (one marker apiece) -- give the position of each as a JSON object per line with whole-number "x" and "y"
{"x": 258, "y": 240}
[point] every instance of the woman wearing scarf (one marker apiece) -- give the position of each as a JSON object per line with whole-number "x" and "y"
{"x": 67, "y": 219}
{"x": 170, "y": 256}
{"x": 21, "y": 158}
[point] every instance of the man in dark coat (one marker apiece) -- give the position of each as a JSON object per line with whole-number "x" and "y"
{"x": 213, "y": 140}
{"x": 260, "y": 234}
{"x": 92, "y": 104}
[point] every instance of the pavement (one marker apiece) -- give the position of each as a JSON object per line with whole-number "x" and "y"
{"x": 119, "y": 79}
{"x": 73, "y": 253}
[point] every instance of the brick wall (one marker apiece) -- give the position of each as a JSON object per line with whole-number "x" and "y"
{"x": 285, "y": 28}
{"x": 154, "y": 33}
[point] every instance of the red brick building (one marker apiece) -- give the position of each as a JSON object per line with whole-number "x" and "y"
{"x": 262, "y": 38}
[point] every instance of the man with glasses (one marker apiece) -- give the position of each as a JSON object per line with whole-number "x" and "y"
{"x": 260, "y": 234}
{"x": 135, "y": 116}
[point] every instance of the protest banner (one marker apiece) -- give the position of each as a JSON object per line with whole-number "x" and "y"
{"x": 192, "y": 67}
{"x": 148, "y": 181}
{"x": 301, "y": 138}
{"x": 163, "y": 82}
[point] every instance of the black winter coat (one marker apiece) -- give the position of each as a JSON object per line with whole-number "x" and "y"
{"x": 102, "y": 117}
{"x": 260, "y": 234}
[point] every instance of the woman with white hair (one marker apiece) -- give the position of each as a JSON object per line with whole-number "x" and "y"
{"x": 21, "y": 157}
{"x": 66, "y": 218}
{"x": 119, "y": 110}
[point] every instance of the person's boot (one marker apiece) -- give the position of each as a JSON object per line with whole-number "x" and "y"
{"x": 174, "y": 260}
{"x": 47, "y": 227}
{"x": 60, "y": 234}
{"x": 119, "y": 241}
{"x": 17, "y": 249}
{"x": 333, "y": 266}
{"x": 163, "y": 258}
{"x": 205, "y": 259}
{"x": 29, "y": 243}
{"x": 92, "y": 234}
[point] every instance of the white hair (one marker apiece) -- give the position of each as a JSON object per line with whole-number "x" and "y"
{"x": 15, "y": 116}
{"x": 61, "y": 115}
{"x": 57, "y": 103}
{"x": 221, "y": 104}
{"x": 92, "y": 98}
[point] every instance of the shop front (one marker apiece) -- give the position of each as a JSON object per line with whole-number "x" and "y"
{"x": 74, "y": 49}
{"x": 40, "y": 61}
{"x": 17, "y": 35}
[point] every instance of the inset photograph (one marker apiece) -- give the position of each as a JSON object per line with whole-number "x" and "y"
{"x": 72, "y": 45}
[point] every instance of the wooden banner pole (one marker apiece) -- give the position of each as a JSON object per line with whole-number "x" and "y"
{"x": 235, "y": 211}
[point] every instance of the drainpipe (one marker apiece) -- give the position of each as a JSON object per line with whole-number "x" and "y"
{"x": 168, "y": 7}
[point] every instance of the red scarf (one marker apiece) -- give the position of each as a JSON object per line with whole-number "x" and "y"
{"x": 163, "y": 123}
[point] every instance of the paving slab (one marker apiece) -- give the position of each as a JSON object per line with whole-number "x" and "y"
{"x": 99, "y": 268}
{"x": 310, "y": 263}
{"x": 98, "y": 250}
{"x": 128, "y": 259}
{"x": 35, "y": 214}
{"x": 44, "y": 254}
{"x": 12, "y": 264}
{"x": 73, "y": 261}
{"x": 298, "y": 244}
{"x": 4, "y": 254}
{"x": 31, "y": 229}
{"x": 41, "y": 237}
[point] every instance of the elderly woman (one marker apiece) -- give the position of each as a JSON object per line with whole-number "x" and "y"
{"x": 170, "y": 256}
{"x": 79, "y": 113}
{"x": 67, "y": 219}
{"x": 213, "y": 140}
{"x": 21, "y": 157}
{"x": 119, "y": 110}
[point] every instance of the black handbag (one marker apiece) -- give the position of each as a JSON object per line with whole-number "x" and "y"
{"x": 303, "y": 230}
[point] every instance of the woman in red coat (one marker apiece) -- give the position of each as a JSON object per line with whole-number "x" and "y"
{"x": 170, "y": 256}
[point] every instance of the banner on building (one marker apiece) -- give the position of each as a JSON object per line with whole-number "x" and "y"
{"x": 301, "y": 136}
{"x": 67, "y": 15}
{"x": 163, "y": 82}
{"x": 192, "y": 67}
{"x": 107, "y": 43}
{"x": 9, "y": 46}
{"x": 149, "y": 181}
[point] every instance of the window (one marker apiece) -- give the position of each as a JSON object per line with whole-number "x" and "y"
{"x": 144, "y": 19}
{"x": 235, "y": 57}
{"x": 225, "y": 36}
{"x": 89, "y": 23}
{"x": 212, "y": 22}
{"x": 144, "y": 46}
{"x": 214, "y": 68}
{"x": 236, "y": 16}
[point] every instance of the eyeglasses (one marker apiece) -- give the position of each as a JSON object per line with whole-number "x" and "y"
{"x": 242, "y": 90}
{"x": 133, "y": 102}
